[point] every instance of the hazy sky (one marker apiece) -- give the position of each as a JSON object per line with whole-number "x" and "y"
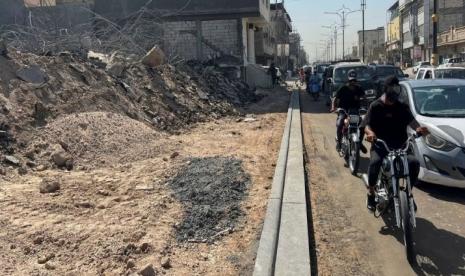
{"x": 308, "y": 18}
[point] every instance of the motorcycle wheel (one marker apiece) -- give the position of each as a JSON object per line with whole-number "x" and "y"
{"x": 316, "y": 96}
{"x": 354, "y": 157}
{"x": 407, "y": 227}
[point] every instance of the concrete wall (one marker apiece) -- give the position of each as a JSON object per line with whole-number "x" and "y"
{"x": 196, "y": 9}
{"x": 12, "y": 12}
{"x": 218, "y": 38}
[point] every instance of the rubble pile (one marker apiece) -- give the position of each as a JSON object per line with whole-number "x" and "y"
{"x": 57, "y": 109}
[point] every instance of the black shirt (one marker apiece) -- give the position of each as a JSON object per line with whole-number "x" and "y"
{"x": 389, "y": 122}
{"x": 349, "y": 96}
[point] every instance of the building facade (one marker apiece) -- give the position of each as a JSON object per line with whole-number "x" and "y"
{"x": 393, "y": 46}
{"x": 202, "y": 29}
{"x": 374, "y": 45}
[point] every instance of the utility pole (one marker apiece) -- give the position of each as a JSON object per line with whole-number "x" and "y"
{"x": 343, "y": 13}
{"x": 364, "y": 5}
{"x": 435, "y": 19}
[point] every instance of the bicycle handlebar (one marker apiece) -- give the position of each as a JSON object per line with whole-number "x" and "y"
{"x": 407, "y": 145}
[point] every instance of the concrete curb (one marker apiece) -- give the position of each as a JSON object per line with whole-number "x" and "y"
{"x": 293, "y": 253}
{"x": 284, "y": 245}
{"x": 264, "y": 262}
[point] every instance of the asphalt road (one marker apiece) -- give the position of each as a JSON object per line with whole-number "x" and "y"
{"x": 440, "y": 233}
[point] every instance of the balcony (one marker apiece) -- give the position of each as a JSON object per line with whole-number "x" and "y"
{"x": 453, "y": 36}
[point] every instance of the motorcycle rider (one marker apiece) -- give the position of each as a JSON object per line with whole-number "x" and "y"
{"x": 314, "y": 83}
{"x": 388, "y": 119}
{"x": 348, "y": 97}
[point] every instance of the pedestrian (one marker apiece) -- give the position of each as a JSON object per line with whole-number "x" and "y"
{"x": 272, "y": 71}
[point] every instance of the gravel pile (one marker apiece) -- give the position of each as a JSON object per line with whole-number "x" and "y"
{"x": 211, "y": 190}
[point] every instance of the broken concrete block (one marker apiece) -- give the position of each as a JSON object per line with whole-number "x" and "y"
{"x": 32, "y": 74}
{"x": 154, "y": 57}
{"x": 116, "y": 69}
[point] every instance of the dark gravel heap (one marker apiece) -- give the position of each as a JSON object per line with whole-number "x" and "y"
{"x": 211, "y": 190}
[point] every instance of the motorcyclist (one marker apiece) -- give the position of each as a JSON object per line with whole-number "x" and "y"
{"x": 388, "y": 119}
{"x": 314, "y": 83}
{"x": 349, "y": 98}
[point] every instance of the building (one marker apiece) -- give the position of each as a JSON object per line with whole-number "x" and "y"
{"x": 12, "y": 12}
{"x": 272, "y": 41}
{"x": 417, "y": 28}
{"x": 202, "y": 29}
{"x": 374, "y": 45}
{"x": 393, "y": 46}
{"x": 451, "y": 40}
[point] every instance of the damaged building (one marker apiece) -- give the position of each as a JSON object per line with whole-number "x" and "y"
{"x": 202, "y": 29}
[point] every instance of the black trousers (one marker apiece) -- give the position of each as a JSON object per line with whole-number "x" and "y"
{"x": 377, "y": 155}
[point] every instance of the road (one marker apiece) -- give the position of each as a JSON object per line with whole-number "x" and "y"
{"x": 349, "y": 239}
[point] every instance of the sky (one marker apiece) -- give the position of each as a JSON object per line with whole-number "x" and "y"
{"x": 309, "y": 16}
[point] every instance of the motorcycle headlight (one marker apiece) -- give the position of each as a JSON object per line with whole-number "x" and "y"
{"x": 438, "y": 143}
{"x": 370, "y": 92}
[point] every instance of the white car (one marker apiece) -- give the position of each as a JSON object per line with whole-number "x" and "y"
{"x": 440, "y": 106}
{"x": 441, "y": 73}
{"x": 421, "y": 64}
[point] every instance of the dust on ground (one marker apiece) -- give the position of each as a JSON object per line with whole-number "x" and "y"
{"x": 116, "y": 213}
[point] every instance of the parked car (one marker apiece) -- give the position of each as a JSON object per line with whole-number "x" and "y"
{"x": 364, "y": 77}
{"x": 421, "y": 64}
{"x": 382, "y": 72}
{"x": 441, "y": 73}
{"x": 452, "y": 62}
{"x": 440, "y": 106}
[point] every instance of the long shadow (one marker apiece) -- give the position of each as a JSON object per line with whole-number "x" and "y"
{"x": 443, "y": 193}
{"x": 438, "y": 251}
{"x": 274, "y": 100}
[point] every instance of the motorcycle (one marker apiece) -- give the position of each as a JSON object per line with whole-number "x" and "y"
{"x": 350, "y": 143}
{"x": 314, "y": 88}
{"x": 393, "y": 188}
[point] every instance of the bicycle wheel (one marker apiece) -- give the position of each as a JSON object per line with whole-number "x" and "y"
{"x": 407, "y": 227}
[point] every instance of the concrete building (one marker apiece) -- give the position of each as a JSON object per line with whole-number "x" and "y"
{"x": 202, "y": 29}
{"x": 374, "y": 45}
{"x": 451, "y": 41}
{"x": 12, "y": 12}
{"x": 393, "y": 46}
{"x": 272, "y": 41}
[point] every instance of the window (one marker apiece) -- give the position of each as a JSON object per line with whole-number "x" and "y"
{"x": 428, "y": 74}
{"x": 421, "y": 74}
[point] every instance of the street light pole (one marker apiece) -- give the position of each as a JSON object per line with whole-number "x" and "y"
{"x": 435, "y": 19}
{"x": 364, "y": 5}
{"x": 343, "y": 13}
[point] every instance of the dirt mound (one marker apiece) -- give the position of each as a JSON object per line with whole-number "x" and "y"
{"x": 167, "y": 98}
{"x": 99, "y": 138}
{"x": 211, "y": 190}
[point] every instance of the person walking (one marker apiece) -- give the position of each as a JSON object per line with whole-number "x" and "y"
{"x": 274, "y": 74}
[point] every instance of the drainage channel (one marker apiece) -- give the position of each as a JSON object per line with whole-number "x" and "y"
{"x": 284, "y": 243}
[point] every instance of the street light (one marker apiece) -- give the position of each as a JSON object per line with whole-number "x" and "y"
{"x": 335, "y": 37}
{"x": 364, "y": 6}
{"x": 343, "y": 13}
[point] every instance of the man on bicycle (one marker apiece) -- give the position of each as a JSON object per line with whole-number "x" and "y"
{"x": 388, "y": 119}
{"x": 349, "y": 98}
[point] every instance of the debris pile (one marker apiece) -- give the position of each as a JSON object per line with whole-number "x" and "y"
{"x": 54, "y": 109}
{"x": 211, "y": 190}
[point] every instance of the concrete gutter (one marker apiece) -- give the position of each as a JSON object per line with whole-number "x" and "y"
{"x": 284, "y": 245}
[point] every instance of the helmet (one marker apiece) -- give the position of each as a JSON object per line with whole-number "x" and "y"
{"x": 352, "y": 75}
